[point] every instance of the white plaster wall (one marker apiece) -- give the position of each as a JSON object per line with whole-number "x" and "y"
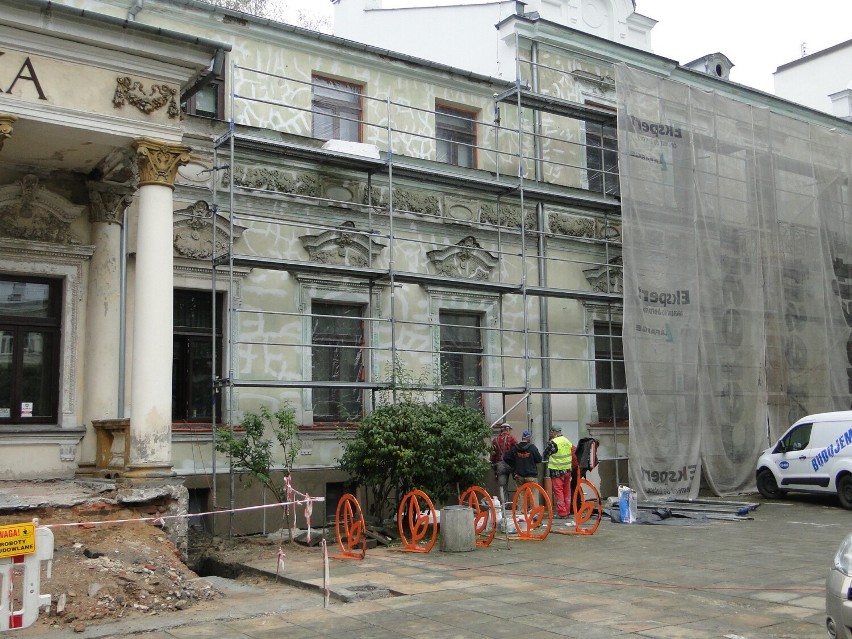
{"x": 464, "y": 36}
{"x": 812, "y": 79}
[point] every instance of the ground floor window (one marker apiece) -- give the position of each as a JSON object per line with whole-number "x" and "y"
{"x": 193, "y": 399}
{"x": 337, "y": 357}
{"x": 30, "y": 324}
{"x": 609, "y": 372}
{"x": 461, "y": 356}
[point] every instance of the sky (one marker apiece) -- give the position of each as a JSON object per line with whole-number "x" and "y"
{"x": 757, "y": 36}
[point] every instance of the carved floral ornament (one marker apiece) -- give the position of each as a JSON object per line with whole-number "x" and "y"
{"x": 133, "y": 92}
{"x": 466, "y": 260}
{"x": 29, "y": 211}
{"x": 159, "y": 161}
{"x": 108, "y": 202}
{"x": 342, "y": 247}
{"x": 193, "y": 232}
{"x": 6, "y": 122}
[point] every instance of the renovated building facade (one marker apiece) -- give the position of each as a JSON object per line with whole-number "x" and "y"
{"x": 305, "y": 220}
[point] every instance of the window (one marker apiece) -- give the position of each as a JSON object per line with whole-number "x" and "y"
{"x": 609, "y": 372}
{"x": 602, "y": 158}
{"x": 192, "y": 360}
{"x": 337, "y": 343}
{"x": 208, "y": 102}
{"x": 795, "y": 440}
{"x": 30, "y": 323}
{"x": 461, "y": 356}
{"x": 336, "y": 107}
{"x": 455, "y": 133}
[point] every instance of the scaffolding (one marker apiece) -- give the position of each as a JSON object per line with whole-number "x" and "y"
{"x": 520, "y": 232}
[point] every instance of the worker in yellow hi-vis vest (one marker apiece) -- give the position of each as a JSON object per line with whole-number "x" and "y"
{"x": 557, "y": 455}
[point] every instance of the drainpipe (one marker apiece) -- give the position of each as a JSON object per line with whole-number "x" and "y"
{"x": 122, "y": 317}
{"x": 135, "y": 8}
{"x": 544, "y": 337}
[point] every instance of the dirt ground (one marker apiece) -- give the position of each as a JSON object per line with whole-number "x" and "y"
{"x": 104, "y": 573}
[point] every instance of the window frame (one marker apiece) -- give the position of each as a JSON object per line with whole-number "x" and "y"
{"x": 461, "y": 354}
{"x": 190, "y": 105}
{"x": 452, "y": 135}
{"x": 609, "y": 368}
{"x": 189, "y": 336}
{"x": 601, "y": 155}
{"x": 319, "y": 80}
{"x": 22, "y": 324}
{"x": 338, "y": 343}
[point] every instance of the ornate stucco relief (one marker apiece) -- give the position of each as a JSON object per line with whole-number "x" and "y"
{"x": 30, "y": 211}
{"x": 607, "y": 278}
{"x": 267, "y": 179}
{"x": 6, "y": 126}
{"x": 507, "y": 215}
{"x": 571, "y": 225}
{"x": 467, "y": 260}
{"x": 193, "y": 232}
{"x": 343, "y": 247}
{"x": 147, "y": 100}
{"x": 107, "y": 203}
{"x": 416, "y": 202}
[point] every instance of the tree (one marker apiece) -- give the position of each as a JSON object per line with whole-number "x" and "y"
{"x": 251, "y": 450}
{"x": 435, "y": 447}
{"x": 279, "y": 11}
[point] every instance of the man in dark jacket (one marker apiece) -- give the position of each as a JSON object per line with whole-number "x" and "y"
{"x": 524, "y": 459}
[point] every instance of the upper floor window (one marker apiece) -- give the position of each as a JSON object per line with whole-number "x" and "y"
{"x": 208, "y": 102}
{"x": 455, "y": 136}
{"x": 602, "y": 158}
{"x": 337, "y": 345}
{"x": 461, "y": 356}
{"x": 30, "y": 328}
{"x": 336, "y": 106}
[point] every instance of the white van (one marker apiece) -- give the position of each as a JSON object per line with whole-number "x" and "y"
{"x": 814, "y": 455}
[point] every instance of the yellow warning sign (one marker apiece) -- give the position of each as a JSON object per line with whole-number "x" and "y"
{"x": 17, "y": 539}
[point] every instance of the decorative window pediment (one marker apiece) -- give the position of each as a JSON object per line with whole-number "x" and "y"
{"x": 30, "y": 211}
{"x": 193, "y": 232}
{"x": 467, "y": 259}
{"x": 342, "y": 247}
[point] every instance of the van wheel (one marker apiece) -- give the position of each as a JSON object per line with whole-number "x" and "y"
{"x": 768, "y": 487}
{"x": 844, "y": 491}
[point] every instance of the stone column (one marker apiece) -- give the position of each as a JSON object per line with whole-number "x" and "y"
{"x": 151, "y": 384}
{"x": 103, "y": 309}
{"x": 6, "y": 122}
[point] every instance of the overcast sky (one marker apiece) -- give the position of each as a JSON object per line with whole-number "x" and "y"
{"x": 757, "y": 35}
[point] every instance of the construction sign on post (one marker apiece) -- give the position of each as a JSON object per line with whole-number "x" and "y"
{"x": 23, "y": 548}
{"x": 17, "y": 539}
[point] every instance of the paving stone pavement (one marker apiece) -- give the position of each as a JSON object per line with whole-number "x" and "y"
{"x": 762, "y": 578}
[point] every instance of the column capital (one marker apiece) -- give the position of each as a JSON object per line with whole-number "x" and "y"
{"x": 107, "y": 202}
{"x": 158, "y": 161}
{"x": 6, "y": 122}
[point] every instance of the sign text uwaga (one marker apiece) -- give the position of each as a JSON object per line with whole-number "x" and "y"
{"x": 17, "y": 539}
{"x": 25, "y": 72}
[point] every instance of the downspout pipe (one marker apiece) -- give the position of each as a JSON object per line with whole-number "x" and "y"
{"x": 541, "y": 224}
{"x": 135, "y": 8}
{"x": 122, "y": 317}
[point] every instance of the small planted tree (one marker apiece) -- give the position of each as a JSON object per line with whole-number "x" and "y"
{"x": 251, "y": 450}
{"x": 434, "y": 447}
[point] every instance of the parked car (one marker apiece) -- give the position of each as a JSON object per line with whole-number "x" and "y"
{"x": 814, "y": 455}
{"x": 838, "y": 593}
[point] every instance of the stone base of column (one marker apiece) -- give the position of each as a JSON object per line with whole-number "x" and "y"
{"x": 148, "y": 471}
